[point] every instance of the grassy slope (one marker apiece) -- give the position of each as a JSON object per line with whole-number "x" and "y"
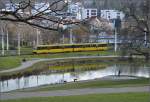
{"x": 123, "y": 97}
{"x": 9, "y": 62}
{"x": 92, "y": 84}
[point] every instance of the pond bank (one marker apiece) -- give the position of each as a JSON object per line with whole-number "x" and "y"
{"x": 30, "y": 63}
{"x": 72, "y": 69}
{"x": 85, "y": 91}
{"x": 105, "y": 82}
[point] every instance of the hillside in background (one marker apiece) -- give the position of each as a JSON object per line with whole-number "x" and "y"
{"x": 100, "y": 4}
{"x": 107, "y": 4}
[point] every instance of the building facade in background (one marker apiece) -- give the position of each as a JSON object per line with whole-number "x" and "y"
{"x": 89, "y": 13}
{"x": 112, "y": 14}
{"x": 75, "y": 9}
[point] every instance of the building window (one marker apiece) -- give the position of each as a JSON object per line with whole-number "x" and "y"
{"x": 73, "y": 17}
{"x": 93, "y": 10}
{"x": 93, "y": 14}
{"x": 118, "y": 14}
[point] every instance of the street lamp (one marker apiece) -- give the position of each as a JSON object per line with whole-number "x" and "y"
{"x": 70, "y": 34}
{"x": 7, "y": 39}
{"x": 0, "y": 89}
{"x": 116, "y": 46}
{"x": 19, "y": 38}
{"x": 37, "y": 37}
{"x": 19, "y": 25}
{"x": 117, "y": 27}
{"x": 4, "y": 30}
{"x": 145, "y": 36}
{"x": 19, "y": 43}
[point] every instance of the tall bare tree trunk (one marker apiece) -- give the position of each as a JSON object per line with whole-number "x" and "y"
{"x": 3, "y": 43}
{"x": 7, "y": 39}
{"x": 71, "y": 36}
{"x": 18, "y": 42}
{"x": 37, "y": 37}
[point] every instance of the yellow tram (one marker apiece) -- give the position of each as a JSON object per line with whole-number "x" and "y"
{"x": 60, "y": 48}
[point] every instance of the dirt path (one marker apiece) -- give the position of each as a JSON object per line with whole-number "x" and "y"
{"x": 18, "y": 95}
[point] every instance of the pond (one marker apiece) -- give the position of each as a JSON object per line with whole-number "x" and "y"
{"x": 95, "y": 70}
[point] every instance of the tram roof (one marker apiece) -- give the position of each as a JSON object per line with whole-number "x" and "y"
{"x": 69, "y": 44}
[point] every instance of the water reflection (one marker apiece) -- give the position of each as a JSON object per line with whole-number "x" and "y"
{"x": 55, "y": 78}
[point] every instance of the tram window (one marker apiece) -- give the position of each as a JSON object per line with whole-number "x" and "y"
{"x": 99, "y": 45}
{"x": 38, "y": 48}
{"x": 82, "y": 46}
{"x": 41, "y": 48}
{"x": 67, "y": 46}
{"x": 102, "y": 45}
{"x": 64, "y": 46}
{"x": 76, "y": 46}
{"x": 95, "y": 45}
{"x": 87, "y": 45}
{"x": 49, "y": 47}
{"x": 56, "y": 47}
{"x": 92, "y": 45}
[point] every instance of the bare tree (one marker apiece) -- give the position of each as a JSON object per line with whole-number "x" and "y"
{"x": 43, "y": 16}
{"x": 138, "y": 27}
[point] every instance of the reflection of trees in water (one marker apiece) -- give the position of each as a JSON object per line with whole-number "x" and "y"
{"x": 148, "y": 71}
{"x": 37, "y": 78}
{"x": 138, "y": 66}
{"x": 26, "y": 82}
{"x": 7, "y": 83}
{"x": 2, "y": 84}
{"x": 131, "y": 68}
{"x": 75, "y": 74}
{"x": 18, "y": 83}
{"x": 135, "y": 68}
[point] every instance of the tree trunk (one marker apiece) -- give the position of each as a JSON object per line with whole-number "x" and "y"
{"x": 3, "y": 43}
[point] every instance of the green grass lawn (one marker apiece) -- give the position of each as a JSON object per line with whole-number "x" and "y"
{"x": 121, "y": 97}
{"x": 92, "y": 84}
{"x": 9, "y": 62}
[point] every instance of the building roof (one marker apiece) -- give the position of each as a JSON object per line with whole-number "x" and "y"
{"x": 100, "y": 23}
